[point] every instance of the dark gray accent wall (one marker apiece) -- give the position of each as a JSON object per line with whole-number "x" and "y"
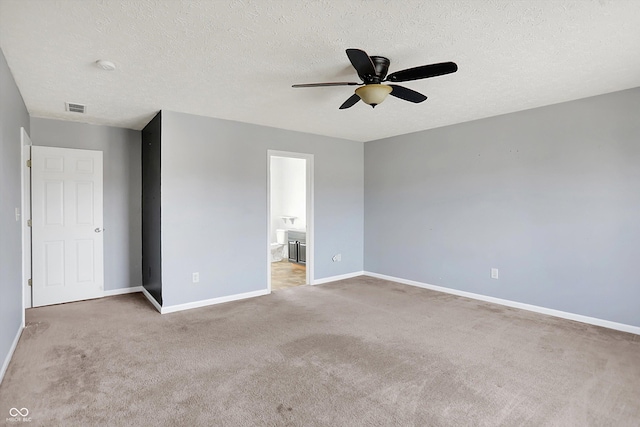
{"x": 550, "y": 196}
{"x": 214, "y": 204}
{"x": 13, "y": 116}
{"x": 151, "y": 208}
{"x": 121, "y": 190}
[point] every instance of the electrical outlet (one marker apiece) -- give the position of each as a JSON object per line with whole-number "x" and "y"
{"x": 337, "y": 258}
{"x": 195, "y": 277}
{"x": 494, "y": 273}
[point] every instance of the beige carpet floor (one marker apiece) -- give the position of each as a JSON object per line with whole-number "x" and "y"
{"x": 359, "y": 352}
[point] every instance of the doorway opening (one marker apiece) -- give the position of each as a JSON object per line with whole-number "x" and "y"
{"x": 290, "y": 224}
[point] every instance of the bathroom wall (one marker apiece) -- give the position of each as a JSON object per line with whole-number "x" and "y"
{"x": 288, "y": 193}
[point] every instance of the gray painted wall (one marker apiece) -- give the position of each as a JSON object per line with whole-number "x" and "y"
{"x": 121, "y": 189}
{"x": 550, "y": 196}
{"x": 214, "y": 204}
{"x": 13, "y": 115}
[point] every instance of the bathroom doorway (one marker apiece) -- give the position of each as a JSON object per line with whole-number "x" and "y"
{"x": 290, "y": 224}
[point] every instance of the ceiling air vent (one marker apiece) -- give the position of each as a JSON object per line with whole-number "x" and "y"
{"x": 74, "y": 108}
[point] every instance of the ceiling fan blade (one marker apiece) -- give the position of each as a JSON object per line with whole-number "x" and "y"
{"x": 361, "y": 62}
{"x": 353, "y": 100}
{"x": 423, "y": 72}
{"x": 327, "y": 84}
{"x": 407, "y": 94}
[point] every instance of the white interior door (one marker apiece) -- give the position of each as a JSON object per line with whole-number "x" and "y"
{"x": 67, "y": 233}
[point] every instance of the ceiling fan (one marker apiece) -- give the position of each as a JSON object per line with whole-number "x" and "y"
{"x": 372, "y": 70}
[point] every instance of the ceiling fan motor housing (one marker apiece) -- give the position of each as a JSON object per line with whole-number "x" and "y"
{"x": 381, "y": 65}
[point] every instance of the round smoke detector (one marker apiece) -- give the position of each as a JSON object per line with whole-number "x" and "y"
{"x": 105, "y": 65}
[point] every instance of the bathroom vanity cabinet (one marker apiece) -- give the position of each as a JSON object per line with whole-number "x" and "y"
{"x": 297, "y": 244}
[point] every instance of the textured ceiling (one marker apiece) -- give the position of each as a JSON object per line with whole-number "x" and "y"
{"x": 237, "y": 59}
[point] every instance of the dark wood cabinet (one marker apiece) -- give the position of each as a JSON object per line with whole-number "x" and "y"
{"x": 297, "y": 243}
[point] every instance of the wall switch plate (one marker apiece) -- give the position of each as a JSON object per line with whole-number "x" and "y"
{"x": 494, "y": 273}
{"x": 195, "y": 277}
{"x": 17, "y": 214}
{"x": 337, "y": 258}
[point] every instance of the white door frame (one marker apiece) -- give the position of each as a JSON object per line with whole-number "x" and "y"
{"x": 310, "y": 191}
{"x": 25, "y": 183}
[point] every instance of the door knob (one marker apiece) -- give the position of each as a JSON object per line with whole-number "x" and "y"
{"x": 97, "y": 230}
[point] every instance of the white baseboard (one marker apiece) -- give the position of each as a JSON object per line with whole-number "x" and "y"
{"x": 122, "y": 291}
{"x": 7, "y": 359}
{"x": 543, "y": 310}
{"x": 151, "y": 299}
{"x": 340, "y": 277}
{"x": 212, "y": 301}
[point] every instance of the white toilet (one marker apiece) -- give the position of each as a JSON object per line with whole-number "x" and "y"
{"x": 277, "y": 249}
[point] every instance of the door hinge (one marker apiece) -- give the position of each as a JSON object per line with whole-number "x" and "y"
{"x": 28, "y": 223}
{"x": 30, "y": 282}
{"x": 29, "y": 163}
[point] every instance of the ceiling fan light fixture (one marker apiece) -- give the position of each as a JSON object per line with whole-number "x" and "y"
{"x": 373, "y": 94}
